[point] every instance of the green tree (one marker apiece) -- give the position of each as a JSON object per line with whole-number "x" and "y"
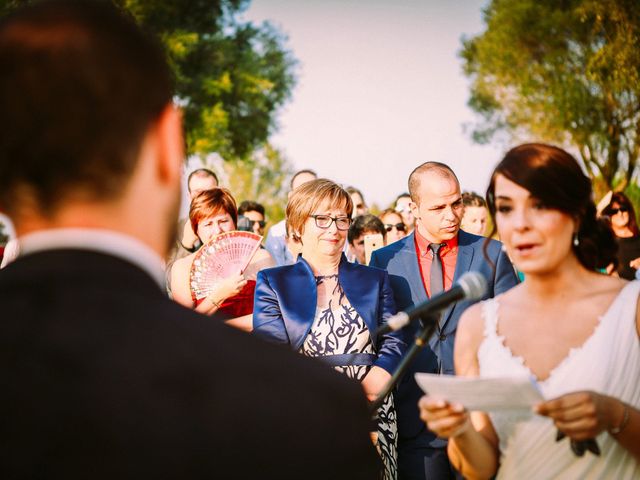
{"x": 231, "y": 76}
{"x": 566, "y": 72}
{"x": 262, "y": 177}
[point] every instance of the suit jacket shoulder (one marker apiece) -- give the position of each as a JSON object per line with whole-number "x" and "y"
{"x": 121, "y": 382}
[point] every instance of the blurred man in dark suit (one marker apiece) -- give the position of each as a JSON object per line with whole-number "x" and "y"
{"x": 103, "y": 376}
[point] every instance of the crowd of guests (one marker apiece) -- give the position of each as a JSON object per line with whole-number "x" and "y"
{"x": 323, "y": 301}
{"x": 107, "y": 377}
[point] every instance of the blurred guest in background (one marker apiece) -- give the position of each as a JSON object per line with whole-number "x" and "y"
{"x": 362, "y": 226}
{"x": 213, "y": 212}
{"x": 622, "y": 218}
{"x": 394, "y": 225}
{"x": 359, "y": 205}
{"x": 571, "y": 329}
{"x": 253, "y": 212}
{"x": 198, "y": 181}
{"x": 326, "y": 307}
{"x": 276, "y": 242}
{"x": 475, "y": 215}
{"x": 403, "y": 207}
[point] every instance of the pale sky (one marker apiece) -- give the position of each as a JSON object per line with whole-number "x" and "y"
{"x": 380, "y": 90}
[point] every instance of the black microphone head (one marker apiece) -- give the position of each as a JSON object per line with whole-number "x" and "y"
{"x": 473, "y": 284}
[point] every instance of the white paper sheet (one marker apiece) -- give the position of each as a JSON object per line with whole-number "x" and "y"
{"x": 485, "y": 394}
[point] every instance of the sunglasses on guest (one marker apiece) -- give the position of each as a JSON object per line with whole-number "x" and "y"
{"x": 398, "y": 226}
{"x": 614, "y": 211}
{"x": 262, "y": 223}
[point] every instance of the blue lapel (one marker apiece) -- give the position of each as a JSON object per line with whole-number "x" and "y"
{"x": 411, "y": 268}
{"x": 299, "y": 297}
{"x": 463, "y": 265}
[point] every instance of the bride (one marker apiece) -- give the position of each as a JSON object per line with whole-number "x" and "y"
{"x": 571, "y": 329}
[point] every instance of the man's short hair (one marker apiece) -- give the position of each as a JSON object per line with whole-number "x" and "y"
{"x": 365, "y": 223}
{"x": 300, "y": 172}
{"x": 81, "y": 84}
{"x": 202, "y": 173}
{"x": 441, "y": 169}
{"x": 472, "y": 199}
{"x": 250, "y": 206}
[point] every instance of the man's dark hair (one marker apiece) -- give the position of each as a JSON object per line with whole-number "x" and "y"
{"x": 81, "y": 83}
{"x": 201, "y": 172}
{"x": 250, "y": 206}
{"x": 365, "y": 223}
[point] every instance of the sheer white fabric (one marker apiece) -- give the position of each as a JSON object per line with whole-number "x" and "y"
{"x": 608, "y": 362}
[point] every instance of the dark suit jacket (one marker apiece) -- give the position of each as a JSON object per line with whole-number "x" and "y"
{"x": 105, "y": 378}
{"x": 400, "y": 260}
{"x": 286, "y": 300}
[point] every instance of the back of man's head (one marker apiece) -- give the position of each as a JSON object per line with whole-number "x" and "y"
{"x": 80, "y": 86}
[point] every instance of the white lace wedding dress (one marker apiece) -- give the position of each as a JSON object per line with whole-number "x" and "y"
{"x": 608, "y": 362}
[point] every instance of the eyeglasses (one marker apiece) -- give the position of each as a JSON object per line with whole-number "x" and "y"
{"x": 324, "y": 221}
{"x": 622, "y": 209}
{"x": 398, "y": 226}
{"x": 262, "y": 223}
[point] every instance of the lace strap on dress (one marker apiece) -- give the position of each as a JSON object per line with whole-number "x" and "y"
{"x": 489, "y": 309}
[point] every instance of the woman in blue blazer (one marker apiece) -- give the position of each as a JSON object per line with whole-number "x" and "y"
{"x": 325, "y": 307}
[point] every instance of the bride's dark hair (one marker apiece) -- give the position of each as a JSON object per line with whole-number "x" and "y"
{"x": 555, "y": 178}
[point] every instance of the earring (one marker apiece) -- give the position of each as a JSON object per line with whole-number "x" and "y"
{"x": 576, "y": 240}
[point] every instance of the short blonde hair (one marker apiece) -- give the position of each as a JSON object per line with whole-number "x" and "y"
{"x": 308, "y": 197}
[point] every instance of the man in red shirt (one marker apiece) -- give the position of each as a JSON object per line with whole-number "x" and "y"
{"x": 421, "y": 265}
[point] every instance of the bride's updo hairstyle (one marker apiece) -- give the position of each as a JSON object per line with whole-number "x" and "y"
{"x": 555, "y": 178}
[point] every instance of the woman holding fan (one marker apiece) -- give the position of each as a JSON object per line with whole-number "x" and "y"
{"x": 213, "y": 212}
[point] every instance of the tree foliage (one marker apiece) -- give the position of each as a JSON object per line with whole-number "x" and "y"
{"x": 263, "y": 177}
{"x": 563, "y": 71}
{"x": 231, "y": 76}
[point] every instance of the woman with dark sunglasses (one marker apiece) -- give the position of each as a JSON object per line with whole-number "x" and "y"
{"x": 394, "y": 225}
{"x": 326, "y": 307}
{"x": 622, "y": 219}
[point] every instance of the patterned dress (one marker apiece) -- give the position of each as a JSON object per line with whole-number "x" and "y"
{"x": 338, "y": 329}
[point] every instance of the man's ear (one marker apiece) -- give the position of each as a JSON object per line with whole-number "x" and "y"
{"x": 170, "y": 144}
{"x": 414, "y": 209}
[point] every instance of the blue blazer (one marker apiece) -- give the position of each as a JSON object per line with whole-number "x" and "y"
{"x": 401, "y": 262}
{"x": 286, "y": 300}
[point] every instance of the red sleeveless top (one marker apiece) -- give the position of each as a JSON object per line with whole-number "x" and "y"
{"x": 238, "y": 305}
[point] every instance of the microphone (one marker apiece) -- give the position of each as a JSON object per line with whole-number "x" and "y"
{"x": 470, "y": 286}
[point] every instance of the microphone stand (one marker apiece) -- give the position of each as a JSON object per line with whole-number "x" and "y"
{"x": 421, "y": 339}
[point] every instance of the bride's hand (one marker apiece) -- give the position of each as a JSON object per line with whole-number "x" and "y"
{"x": 582, "y": 415}
{"x": 443, "y": 418}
